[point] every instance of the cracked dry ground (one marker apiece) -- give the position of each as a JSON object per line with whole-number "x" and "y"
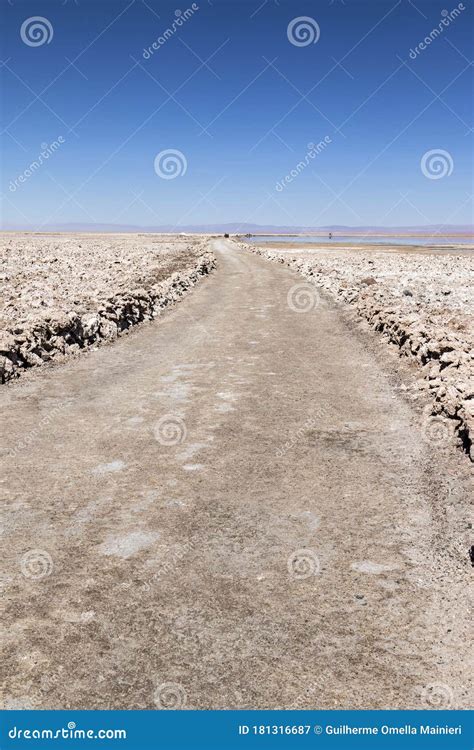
{"x": 169, "y": 563}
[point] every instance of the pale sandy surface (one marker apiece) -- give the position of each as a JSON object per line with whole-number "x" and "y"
{"x": 423, "y": 303}
{"x": 234, "y": 507}
{"x": 433, "y": 284}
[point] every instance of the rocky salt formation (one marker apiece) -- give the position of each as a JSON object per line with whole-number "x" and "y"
{"x": 424, "y": 304}
{"x": 64, "y": 293}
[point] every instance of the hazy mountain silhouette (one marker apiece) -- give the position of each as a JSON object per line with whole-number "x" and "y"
{"x": 245, "y": 228}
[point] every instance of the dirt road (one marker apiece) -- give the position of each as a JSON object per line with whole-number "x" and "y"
{"x": 232, "y": 507}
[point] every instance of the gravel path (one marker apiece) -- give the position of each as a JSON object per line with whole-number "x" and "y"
{"x": 233, "y": 508}
{"x": 423, "y": 304}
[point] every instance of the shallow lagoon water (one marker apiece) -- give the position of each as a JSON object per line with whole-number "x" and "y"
{"x": 366, "y": 239}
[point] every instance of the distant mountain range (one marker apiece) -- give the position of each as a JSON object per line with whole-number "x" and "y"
{"x": 236, "y": 228}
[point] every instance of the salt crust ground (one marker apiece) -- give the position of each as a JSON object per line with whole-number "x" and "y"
{"x": 62, "y": 293}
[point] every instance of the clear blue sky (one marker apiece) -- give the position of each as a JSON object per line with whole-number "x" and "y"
{"x": 261, "y": 100}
